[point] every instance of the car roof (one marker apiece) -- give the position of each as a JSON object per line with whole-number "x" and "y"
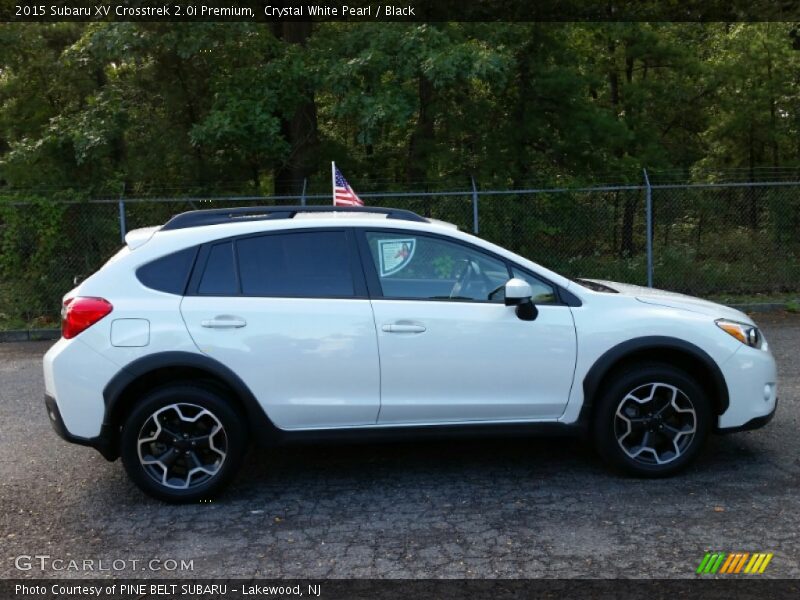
{"x": 218, "y": 216}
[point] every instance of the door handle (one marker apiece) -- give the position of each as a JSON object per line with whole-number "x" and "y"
{"x": 224, "y": 322}
{"x": 403, "y": 328}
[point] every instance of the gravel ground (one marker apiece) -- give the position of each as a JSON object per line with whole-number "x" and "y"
{"x": 513, "y": 508}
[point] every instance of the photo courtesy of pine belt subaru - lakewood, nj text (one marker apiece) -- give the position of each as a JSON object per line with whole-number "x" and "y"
{"x": 224, "y": 328}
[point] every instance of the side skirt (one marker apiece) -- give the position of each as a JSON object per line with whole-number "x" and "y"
{"x": 372, "y": 435}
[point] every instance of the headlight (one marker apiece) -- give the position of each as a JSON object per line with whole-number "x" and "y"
{"x": 747, "y": 334}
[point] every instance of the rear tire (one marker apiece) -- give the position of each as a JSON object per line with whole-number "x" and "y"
{"x": 651, "y": 420}
{"x": 182, "y": 443}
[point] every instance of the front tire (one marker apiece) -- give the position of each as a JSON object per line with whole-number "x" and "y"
{"x": 182, "y": 443}
{"x": 652, "y": 420}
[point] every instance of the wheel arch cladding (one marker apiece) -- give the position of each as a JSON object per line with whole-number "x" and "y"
{"x": 164, "y": 368}
{"x": 673, "y": 351}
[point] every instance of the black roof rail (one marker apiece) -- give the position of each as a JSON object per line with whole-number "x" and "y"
{"x": 216, "y": 216}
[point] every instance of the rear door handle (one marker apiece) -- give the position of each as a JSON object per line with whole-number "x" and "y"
{"x": 403, "y": 328}
{"x": 224, "y": 322}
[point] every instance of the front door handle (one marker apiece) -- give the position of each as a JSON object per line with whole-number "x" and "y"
{"x": 403, "y": 328}
{"x": 224, "y": 322}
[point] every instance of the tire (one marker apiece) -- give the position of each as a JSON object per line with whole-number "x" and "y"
{"x": 183, "y": 443}
{"x": 654, "y": 400}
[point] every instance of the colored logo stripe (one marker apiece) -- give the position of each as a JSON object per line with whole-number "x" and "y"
{"x": 703, "y": 563}
{"x": 711, "y": 562}
{"x": 758, "y": 563}
{"x": 734, "y": 562}
{"x": 737, "y": 563}
{"x": 727, "y": 565}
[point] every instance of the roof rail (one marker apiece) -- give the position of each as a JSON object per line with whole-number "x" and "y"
{"x": 216, "y": 216}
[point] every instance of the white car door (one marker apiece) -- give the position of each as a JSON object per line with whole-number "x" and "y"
{"x": 449, "y": 353}
{"x": 288, "y": 313}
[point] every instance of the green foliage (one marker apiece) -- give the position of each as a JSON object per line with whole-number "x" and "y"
{"x": 212, "y": 107}
{"x": 31, "y": 247}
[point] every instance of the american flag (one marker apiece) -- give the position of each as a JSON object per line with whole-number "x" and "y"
{"x": 343, "y": 194}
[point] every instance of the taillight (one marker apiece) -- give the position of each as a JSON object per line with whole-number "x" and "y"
{"x": 79, "y": 313}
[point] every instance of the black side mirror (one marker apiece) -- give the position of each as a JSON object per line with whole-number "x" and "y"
{"x": 527, "y": 311}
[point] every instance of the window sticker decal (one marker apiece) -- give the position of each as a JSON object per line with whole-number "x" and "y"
{"x": 395, "y": 255}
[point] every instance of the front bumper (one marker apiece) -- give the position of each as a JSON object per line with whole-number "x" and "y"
{"x": 103, "y": 443}
{"x": 754, "y": 423}
{"x": 752, "y": 379}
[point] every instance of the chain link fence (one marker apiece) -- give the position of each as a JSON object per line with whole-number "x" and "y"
{"x": 727, "y": 239}
{"x": 707, "y": 240}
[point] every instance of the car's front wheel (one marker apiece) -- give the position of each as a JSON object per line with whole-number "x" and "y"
{"x": 182, "y": 443}
{"x": 651, "y": 420}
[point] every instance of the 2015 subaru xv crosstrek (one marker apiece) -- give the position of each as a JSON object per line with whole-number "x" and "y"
{"x": 223, "y": 328}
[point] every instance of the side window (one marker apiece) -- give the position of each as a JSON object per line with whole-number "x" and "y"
{"x": 306, "y": 264}
{"x": 428, "y": 268}
{"x": 219, "y": 276}
{"x": 543, "y": 293}
{"x": 168, "y": 273}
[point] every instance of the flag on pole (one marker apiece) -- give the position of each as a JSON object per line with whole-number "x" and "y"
{"x": 343, "y": 194}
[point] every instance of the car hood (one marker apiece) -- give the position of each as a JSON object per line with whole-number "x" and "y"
{"x": 676, "y": 300}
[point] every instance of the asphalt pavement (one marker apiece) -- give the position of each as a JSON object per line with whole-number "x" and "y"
{"x": 455, "y": 509}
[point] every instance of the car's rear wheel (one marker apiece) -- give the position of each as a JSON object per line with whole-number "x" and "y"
{"x": 182, "y": 443}
{"x": 652, "y": 420}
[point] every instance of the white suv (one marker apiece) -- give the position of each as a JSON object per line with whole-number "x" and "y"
{"x": 269, "y": 325}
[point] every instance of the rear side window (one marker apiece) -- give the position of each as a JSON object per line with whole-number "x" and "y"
{"x": 219, "y": 275}
{"x": 305, "y": 264}
{"x": 168, "y": 273}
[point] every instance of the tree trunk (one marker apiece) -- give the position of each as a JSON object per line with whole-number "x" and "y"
{"x": 419, "y": 145}
{"x": 627, "y": 246}
{"x": 614, "y": 222}
{"x": 524, "y": 211}
{"x": 772, "y": 110}
{"x": 299, "y": 129}
{"x": 752, "y": 165}
{"x": 613, "y": 77}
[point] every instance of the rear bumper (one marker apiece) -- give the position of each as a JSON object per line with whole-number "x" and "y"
{"x": 754, "y": 423}
{"x": 74, "y": 376}
{"x": 102, "y": 443}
